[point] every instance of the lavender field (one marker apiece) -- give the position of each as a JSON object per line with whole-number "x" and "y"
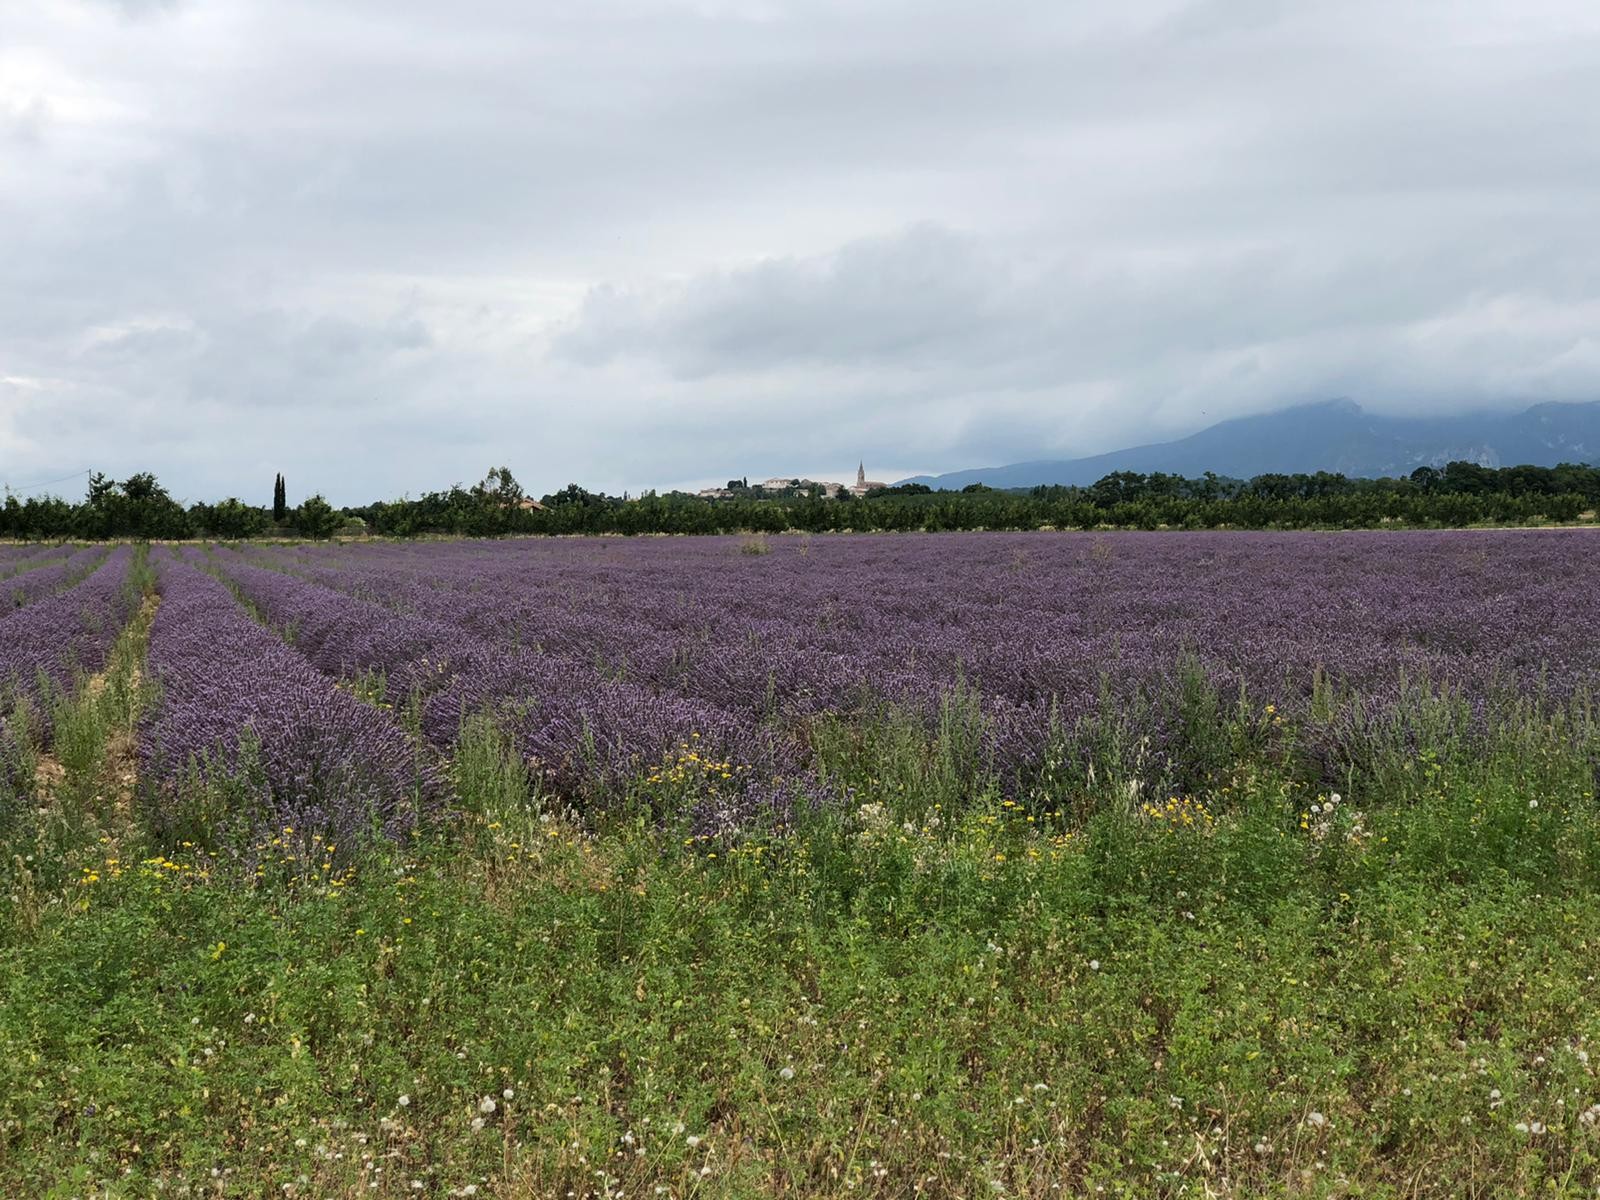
{"x": 1222, "y": 864}
{"x": 602, "y": 656}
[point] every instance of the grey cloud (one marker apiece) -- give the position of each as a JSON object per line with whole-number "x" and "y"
{"x": 139, "y": 8}
{"x": 24, "y": 121}
{"x": 916, "y": 299}
{"x": 988, "y": 318}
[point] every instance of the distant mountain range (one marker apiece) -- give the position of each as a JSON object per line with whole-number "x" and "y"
{"x": 1336, "y": 435}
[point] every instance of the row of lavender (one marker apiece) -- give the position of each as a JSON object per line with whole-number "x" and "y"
{"x": 1037, "y": 624}
{"x": 35, "y": 576}
{"x": 59, "y": 637}
{"x": 68, "y": 631}
{"x": 14, "y": 560}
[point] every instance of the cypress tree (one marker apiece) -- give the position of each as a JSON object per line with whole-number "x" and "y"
{"x": 280, "y": 502}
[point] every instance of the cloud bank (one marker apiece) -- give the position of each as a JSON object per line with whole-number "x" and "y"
{"x": 634, "y": 243}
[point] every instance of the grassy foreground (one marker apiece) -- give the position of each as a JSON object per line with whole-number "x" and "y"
{"x": 1257, "y": 990}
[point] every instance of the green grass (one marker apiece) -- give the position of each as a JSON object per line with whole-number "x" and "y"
{"x": 936, "y": 992}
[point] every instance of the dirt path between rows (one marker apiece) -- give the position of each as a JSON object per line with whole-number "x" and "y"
{"x": 119, "y": 766}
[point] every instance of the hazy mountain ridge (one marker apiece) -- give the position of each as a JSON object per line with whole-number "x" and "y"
{"x": 1336, "y": 435}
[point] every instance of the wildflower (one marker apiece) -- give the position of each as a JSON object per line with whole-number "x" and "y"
{"x": 1094, "y": 964}
{"x": 405, "y": 1101}
{"x": 1316, "y": 1120}
{"x": 486, "y": 1105}
{"x": 508, "y": 1094}
{"x": 693, "y": 1140}
{"x": 786, "y": 1074}
{"x": 477, "y": 1124}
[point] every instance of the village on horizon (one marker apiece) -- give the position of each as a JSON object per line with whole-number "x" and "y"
{"x": 827, "y": 489}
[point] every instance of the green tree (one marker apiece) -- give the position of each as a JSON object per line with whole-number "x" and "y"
{"x": 316, "y": 518}
{"x": 231, "y": 519}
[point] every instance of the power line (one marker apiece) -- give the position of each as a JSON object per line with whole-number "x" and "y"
{"x": 33, "y": 487}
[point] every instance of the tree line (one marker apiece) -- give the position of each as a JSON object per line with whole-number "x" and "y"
{"x": 1460, "y": 493}
{"x": 140, "y": 508}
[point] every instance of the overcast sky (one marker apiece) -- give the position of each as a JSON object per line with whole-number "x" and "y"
{"x": 382, "y": 245}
